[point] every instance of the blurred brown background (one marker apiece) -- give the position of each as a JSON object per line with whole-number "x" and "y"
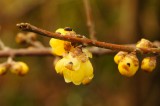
{"x": 116, "y": 21}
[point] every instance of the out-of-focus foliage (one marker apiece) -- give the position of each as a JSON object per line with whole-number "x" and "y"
{"x": 116, "y": 21}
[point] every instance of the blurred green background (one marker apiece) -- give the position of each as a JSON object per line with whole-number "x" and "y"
{"x": 116, "y": 21}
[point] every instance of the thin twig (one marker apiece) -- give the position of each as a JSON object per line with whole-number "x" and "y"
{"x": 100, "y": 51}
{"x": 45, "y": 52}
{"x": 86, "y": 41}
{"x": 26, "y": 52}
{"x": 36, "y": 44}
{"x": 89, "y": 19}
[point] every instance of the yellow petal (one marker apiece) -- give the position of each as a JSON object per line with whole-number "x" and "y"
{"x": 76, "y": 73}
{"x": 87, "y": 52}
{"x": 62, "y": 31}
{"x": 67, "y": 75}
{"x": 61, "y": 69}
{"x": 60, "y": 65}
{"x": 119, "y": 56}
{"x": 77, "y": 76}
{"x": 88, "y": 70}
{"x": 57, "y": 46}
{"x": 74, "y": 70}
{"x": 84, "y": 74}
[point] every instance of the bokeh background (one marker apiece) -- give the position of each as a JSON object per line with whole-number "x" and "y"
{"x": 116, "y": 21}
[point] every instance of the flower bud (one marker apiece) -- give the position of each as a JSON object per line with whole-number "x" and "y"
{"x": 129, "y": 65}
{"x": 21, "y": 38}
{"x": 144, "y": 43}
{"x": 19, "y": 68}
{"x": 32, "y": 36}
{"x": 148, "y": 64}
{"x": 119, "y": 56}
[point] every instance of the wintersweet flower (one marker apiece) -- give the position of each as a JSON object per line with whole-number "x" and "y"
{"x": 75, "y": 67}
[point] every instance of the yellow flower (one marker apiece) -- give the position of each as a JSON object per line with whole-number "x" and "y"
{"x": 148, "y": 64}
{"x": 119, "y": 56}
{"x": 74, "y": 70}
{"x": 59, "y": 47}
{"x": 19, "y": 68}
{"x": 129, "y": 65}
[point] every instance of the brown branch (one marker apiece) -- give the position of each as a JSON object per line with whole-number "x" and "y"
{"x": 86, "y": 41}
{"x": 100, "y": 51}
{"x": 45, "y": 52}
{"x": 89, "y": 19}
{"x": 26, "y": 52}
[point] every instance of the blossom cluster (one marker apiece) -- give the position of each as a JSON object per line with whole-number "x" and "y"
{"x": 74, "y": 65}
{"x": 128, "y": 63}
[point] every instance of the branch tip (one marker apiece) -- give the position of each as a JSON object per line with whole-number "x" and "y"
{"x": 23, "y": 26}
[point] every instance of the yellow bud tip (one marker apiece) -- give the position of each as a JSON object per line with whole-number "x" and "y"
{"x": 65, "y": 31}
{"x": 19, "y": 68}
{"x": 21, "y": 38}
{"x": 144, "y": 43}
{"x": 119, "y": 56}
{"x": 148, "y": 64}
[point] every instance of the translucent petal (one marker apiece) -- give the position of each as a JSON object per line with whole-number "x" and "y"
{"x": 77, "y": 76}
{"x": 84, "y": 74}
{"x": 74, "y": 60}
{"x": 88, "y": 68}
{"x": 74, "y": 70}
{"x": 87, "y": 52}
{"x": 67, "y": 75}
{"x": 60, "y": 66}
